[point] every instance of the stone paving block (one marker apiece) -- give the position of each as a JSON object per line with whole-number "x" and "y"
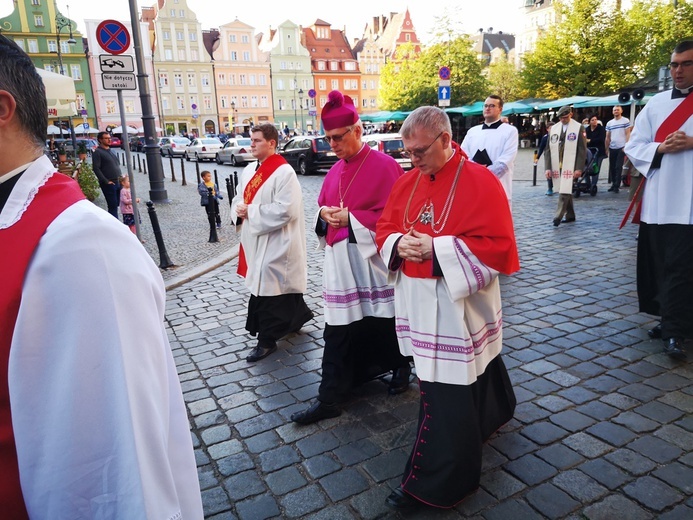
{"x": 551, "y": 501}
{"x": 491, "y": 459}
{"x": 581, "y": 353}
{"x": 207, "y": 477}
{"x": 201, "y": 458}
{"x": 317, "y": 443}
{"x": 237, "y": 415}
{"x": 303, "y": 501}
{"x": 625, "y": 375}
{"x": 201, "y": 406}
{"x": 605, "y": 473}
{"x": 258, "y": 508}
{"x": 680, "y": 512}
{"x": 263, "y": 442}
{"x": 543, "y": 432}
{"x": 275, "y": 402}
{"x": 224, "y": 449}
{"x": 238, "y": 399}
{"x": 285, "y": 480}
{"x": 235, "y": 464}
{"x": 386, "y": 466}
{"x": 613, "y": 507}
{"x": 619, "y": 401}
{"x": 357, "y": 451}
{"x": 530, "y": 469}
{"x": 541, "y": 386}
{"x": 597, "y": 410}
{"x": 632, "y": 462}
{"x": 652, "y": 493}
{"x": 641, "y": 392}
{"x": 216, "y": 434}
{"x": 679, "y": 400}
{"x": 655, "y": 449}
{"x": 560, "y": 456}
{"x": 562, "y": 378}
{"x": 579, "y": 486}
{"x": 273, "y": 388}
{"x": 586, "y": 445}
{"x": 585, "y": 370}
{"x": 571, "y": 420}
{"x": 686, "y": 423}
{"x": 321, "y": 465}
{"x": 207, "y": 420}
{"x": 553, "y": 403}
{"x": 511, "y": 509}
{"x": 371, "y": 503}
{"x": 475, "y": 503}
{"x": 244, "y": 485}
{"x": 578, "y": 395}
{"x": 258, "y": 424}
{"x": 635, "y": 422}
{"x": 668, "y": 381}
{"x": 660, "y": 412}
{"x": 676, "y": 436}
{"x": 215, "y": 500}
{"x": 603, "y": 384}
{"x": 278, "y": 458}
{"x": 540, "y": 367}
{"x": 343, "y": 484}
{"x": 678, "y": 476}
{"x": 612, "y": 433}
{"x": 501, "y": 484}
{"x": 523, "y": 395}
{"x": 529, "y": 413}
{"x": 562, "y": 360}
{"x": 302, "y": 380}
{"x": 513, "y": 445}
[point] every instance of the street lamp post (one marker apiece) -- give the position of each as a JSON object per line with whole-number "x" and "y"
{"x": 60, "y": 23}
{"x": 300, "y": 100}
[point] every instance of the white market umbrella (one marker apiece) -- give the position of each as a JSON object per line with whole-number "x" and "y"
{"x": 119, "y": 130}
{"x": 61, "y": 108}
{"x": 140, "y": 129}
{"x": 80, "y": 129}
{"x": 53, "y": 130}
{"x": 58, "y": 86}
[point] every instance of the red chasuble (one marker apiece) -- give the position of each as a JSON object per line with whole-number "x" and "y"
{"x": 17, "y": 245}
{"x": 479, "y": 214}
{"x": 263, "y": 173}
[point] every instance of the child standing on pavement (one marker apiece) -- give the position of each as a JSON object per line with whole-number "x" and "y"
{"x": 126, "y": 208}
{"x": 212, "y": 207}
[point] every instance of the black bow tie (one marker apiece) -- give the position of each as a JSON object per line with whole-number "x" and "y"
{"x": 492, "y": 126}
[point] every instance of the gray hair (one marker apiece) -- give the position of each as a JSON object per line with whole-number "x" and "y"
{"x": 430, "y": 119}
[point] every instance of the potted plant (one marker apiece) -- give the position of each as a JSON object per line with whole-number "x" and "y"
{"x": 62, "y": 154}
{"x": 82, "y": 150}
{"x": 88, "y": 182}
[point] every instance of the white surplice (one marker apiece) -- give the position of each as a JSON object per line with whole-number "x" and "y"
{"x": 668, "y": 193}
{"x": 99, "y": 420}
{"x": 452, "y": 325}
{"x": 355, "y": 278}
{"x": 274, "y": 234}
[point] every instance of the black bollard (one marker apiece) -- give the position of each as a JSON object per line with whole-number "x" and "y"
{"x": 122, "y": 158}
{"x": 534, "y": 173}
{"x": 229, "y": 190}
{"x": 182, "y": 182}
{"x": 235, "y": 183}
{"x": 216, "y": 177}
{"x": 197, "y": 171}
{"x": 145, "y": 167}
{"x": 170, "y": 159}
{"x": 139, "y": 163}
{"x": 211, "y": 212}
{"x": 164, "y": 260}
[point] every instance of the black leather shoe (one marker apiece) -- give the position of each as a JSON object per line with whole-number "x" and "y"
{"x": 400, "y": 380}
{"x": 556, "y": 222}
{"x": 316, "y": 412}
{"x": 566, "y": 220}
{"x": 398, "y": 499}
{"x": 674, "y": 348}
{"x": 655, "y": 332}
{"x": 261, "y": 351}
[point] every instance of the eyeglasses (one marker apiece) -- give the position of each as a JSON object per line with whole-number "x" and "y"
{"x": 337, "y": 138}
{"x": 490, "y": 105}
{"x": 684, "y": 64}
{"x": 418, "y": 154}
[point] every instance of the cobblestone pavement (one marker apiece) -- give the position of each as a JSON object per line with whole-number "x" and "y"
{"x": 604, "y": 424}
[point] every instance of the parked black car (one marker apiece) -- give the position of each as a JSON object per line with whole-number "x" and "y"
{"x": 309, "y": 154}
{"x": 137, "y": 144}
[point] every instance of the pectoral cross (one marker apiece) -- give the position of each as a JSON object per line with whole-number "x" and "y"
{"x": 427, "y": 214}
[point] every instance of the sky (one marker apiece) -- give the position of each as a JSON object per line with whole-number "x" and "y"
{"x": 502, "y": 15}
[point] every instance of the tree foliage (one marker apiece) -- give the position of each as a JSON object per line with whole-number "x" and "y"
{"x": 594, "y": 49}
{"x": 413, "y": 81}
{"x": 504, "y": 80}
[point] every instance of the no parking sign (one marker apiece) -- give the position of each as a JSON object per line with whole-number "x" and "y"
{"x": 113, "y": 36}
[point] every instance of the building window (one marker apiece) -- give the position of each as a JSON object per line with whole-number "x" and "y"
{"x": 364, "y": 84}
{"x": 264, "y": 102}
{"x": 192, "y": 79}
{"x": 252, "y": 79}
{"x": 294, "y": 105}
{"x": 234, "y": 56}
{"x": 281, "y": 104}
{"x": 263, "y": 79}
{"x": 347, "y": 84}
{"x": 280, "y": 84}
{"x": 181, "y": 13}
{"x": 207, "y": 102}
{"x": 180, "y": 36}
{"x": 194, "y": 56}
{"x": 163, "y": 79}
{"x": 372, "y": 84}
{"x": 35, "y": 2}
{"x": 232, "y": 79}
{"x": 407, "y": 37}
{"x": 110, "y": 107}
{"x": 193, "y": 37}
{"x": 232, "y": 38}
{"x": 323, "y": 100}
{"x": 221, "y": 78}
{"x": 178, "y": 80}
{"x": 373, "y": 102}
{"x": 354, "y": 84}
{"x": 129, "y": 106}
{"x": 334, "y": 65}
{"x": 289, "y": 50}
{"x": 52, "y": 46}
{"x": 323, "y": 33}
{"x": 81, "y": 102}
{"x": 181, "y": 54}
{"x": 38, "y": 20}
{"x": 20, "y": 44}
{"x": 180, "y": 103}
{"x": 253, "y": 101}
{"x": 321, "y": 65}
{"x": 335, "y": 84}
{"x": 65, "y": 47}
{"x": 224, "y": 102}
{"x": 349, "y": 65}
{"x": 193, "y": 101}
{"x": 33, "y": 45}
{"x": 168, "y": 54}
{"x": 364, "y": 103}
{"x": 204, "y": 80}
{"x": 244, "y": 101}
{"x": 356, "y": 100}
{"x": 246, "y": 56}
{"x": 242, "y": 79}
{"x": 76, "y": 72}
{"x": 244, "y": 38}
{"x": 173, "y": 13}
{"x": 49, "y": 67}
{"x": 299, "y": 65}
{"x": 282, "y": 65}
{"x": 164, "y": 102}
{"x": 167, "y": 35}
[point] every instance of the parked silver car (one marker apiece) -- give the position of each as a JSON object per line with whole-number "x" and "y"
{"x": 389, "y": 144}
{"x": 235, "y": 151}
{"x": 172, "y": 145}
{"x": 203, "y": 149}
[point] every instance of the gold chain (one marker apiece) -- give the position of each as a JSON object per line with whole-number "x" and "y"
{"x": 341, "y": 196}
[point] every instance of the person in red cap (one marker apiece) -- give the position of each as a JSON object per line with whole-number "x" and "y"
{"x": 360, "y": 339}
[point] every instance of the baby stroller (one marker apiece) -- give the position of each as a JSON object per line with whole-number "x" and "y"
{"x": 587, "y": 183}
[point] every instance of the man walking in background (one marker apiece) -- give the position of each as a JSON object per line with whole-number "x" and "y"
{"x": 107, "y": 170}
{"x": 617, "y": 134}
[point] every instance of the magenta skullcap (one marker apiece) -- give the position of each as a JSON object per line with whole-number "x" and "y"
{"x": 339, "y": 111}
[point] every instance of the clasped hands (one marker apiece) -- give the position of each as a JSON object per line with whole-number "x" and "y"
{"x": 335, "y": 217}
{"x": 676, "y": 142}
{"x": 242, "y": 210}
{"x": 415, "y": 247}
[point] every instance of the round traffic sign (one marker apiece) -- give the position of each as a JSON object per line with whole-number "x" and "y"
{"x": 444, "y": 73}
{"x": 312, "y": 93}
{"x": 113, "y": 36}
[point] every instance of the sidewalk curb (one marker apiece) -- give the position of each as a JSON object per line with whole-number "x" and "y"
{"x": 204, "y": 268}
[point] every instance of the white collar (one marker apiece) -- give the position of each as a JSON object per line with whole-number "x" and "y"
{"x": 7, "y": 176}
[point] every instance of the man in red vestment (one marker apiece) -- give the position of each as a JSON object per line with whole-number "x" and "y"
{"x": 446, "y": 233}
